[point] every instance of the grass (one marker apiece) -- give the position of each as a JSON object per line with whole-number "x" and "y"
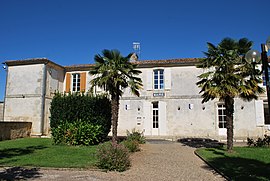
{"x": 40, "y": 152}
{"x": 245, "y": 163}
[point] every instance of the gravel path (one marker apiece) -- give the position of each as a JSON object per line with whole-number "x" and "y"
{"x": 157, "y": 161}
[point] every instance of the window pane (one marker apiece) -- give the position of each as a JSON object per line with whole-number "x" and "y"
{"x": 220, "y": 125}
{"x": 219, "y": 112}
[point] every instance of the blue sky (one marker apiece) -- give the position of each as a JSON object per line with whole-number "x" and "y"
{"x": 72, "y": 32}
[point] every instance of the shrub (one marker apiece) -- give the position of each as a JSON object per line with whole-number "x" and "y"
{"x": 77, "y": 133}
{"x": 93, "y": 110}
{"x": 136, "y": 136}
{"x": 131, "y": 145}
{"x": 113, "y": 156}
{"x": 250, "y": 141}
{"x": 259, "y": 142}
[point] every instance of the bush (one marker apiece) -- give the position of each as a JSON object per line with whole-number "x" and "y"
{"x": 250, "y": 141}
{"x": 113, "y": 156}
{"x": 131, "y": 145}
{"x": 71, "y": 108}
{"x": 77, "y": 133}
{"x": 259, "y": 142}
{"x": 136, "y": 136}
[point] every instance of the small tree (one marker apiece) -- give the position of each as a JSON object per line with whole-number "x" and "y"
{"x": 114, "y": 73}
{"x": 229, "y": 75}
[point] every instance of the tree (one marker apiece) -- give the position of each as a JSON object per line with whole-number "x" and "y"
{"x": 114, "y": 73}
{"x": 229, "y": 75}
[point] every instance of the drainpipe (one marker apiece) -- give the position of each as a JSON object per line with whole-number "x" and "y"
{"x": 5, "y": 67}
{"x": 43, "y": 94}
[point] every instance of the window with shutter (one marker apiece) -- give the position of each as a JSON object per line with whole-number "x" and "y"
{"x": 68, "y": 78}
{"x": 168, "y": 81}
{"x": 83, "y": 82}
{"x": 149, "y": 80}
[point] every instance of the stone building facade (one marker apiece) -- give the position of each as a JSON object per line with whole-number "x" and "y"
{"x": 169, "y": 104}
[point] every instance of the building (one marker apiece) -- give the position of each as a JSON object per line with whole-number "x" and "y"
{"x": 169, "y": 104}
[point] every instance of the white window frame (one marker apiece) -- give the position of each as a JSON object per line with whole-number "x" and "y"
{"x": 221, "y": 117}
{"x": 155, "y": 115}
{"x": 76, "y": 82}
{"x": 159, "y": 81}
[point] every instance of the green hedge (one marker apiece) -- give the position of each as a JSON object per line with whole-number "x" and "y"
{"x": 95, "y": 110}
{"x": 77, "y": 133}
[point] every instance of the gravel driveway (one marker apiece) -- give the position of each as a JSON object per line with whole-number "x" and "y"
{"x": 157, "y": 161}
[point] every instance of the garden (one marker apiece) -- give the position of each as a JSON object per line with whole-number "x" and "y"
{"x": 80, "y": 125}
{"x": 250, "y": 162}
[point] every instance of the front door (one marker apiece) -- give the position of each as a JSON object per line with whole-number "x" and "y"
{"x": 155, "y": 119}
{"x": 222, "y": 123}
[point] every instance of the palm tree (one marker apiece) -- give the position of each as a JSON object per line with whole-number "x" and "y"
{"x": 114, "y": 73}
{"x": 229, "y": 75}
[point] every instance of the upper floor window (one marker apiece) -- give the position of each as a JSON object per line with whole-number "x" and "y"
{"x": 76, "y": 82}
{"x": 159, "y": 79}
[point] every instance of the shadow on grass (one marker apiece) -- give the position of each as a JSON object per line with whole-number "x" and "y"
{"x": 236, "y": 168}
{"x": 19, "y": 173}
{"x": 12, "y": 152}
{"x": 200, "y": 142}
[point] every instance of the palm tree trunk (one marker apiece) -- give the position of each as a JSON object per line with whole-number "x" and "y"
{"x": 229, "y": 104}
{"x": 115, "y": 110}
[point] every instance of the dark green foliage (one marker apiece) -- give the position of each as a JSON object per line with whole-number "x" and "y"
{"x": 228, "y": 74}
{"x": 131, "y": 145}
{"x": 77, "y": 133}
{"x": 250, "y": 141}
{"x": 114, "y": 73}
{"x": 135, "y": 136}
{"x": 260, "y": 142}
{"x": 92, "y": 110}
{"x": 113, "y": 156}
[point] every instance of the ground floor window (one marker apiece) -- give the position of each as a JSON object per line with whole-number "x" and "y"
{"x": 266, "y": 114}
{"x": 221, "y": 116}
{"x": 155, "y": 114}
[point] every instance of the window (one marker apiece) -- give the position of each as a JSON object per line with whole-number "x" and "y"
{"x": 222, "y": 116}
{"x": 263, "y": 76}
{"x": 76, "y": 82}
{"x": 155, "y": 114}
{"x": 159, "y": 79}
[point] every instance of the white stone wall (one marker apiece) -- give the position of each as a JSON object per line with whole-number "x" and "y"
{"x": 184, "y": 114}
{"x": 23, "y": 99}
{"x": 23, "y": 95}
{"x": 54, "y": 83}
{"x": 181, "y": 113}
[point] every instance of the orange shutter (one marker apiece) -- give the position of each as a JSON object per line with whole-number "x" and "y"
{"x": 68, "y": 76}
{"x": 83, "y": 82}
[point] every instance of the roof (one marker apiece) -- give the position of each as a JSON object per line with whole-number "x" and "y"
{"x": 85, "y": 67}
{"x": 32, "y": 61}
{"x": 143, "y": 63}
{"x": 168, "y": 62}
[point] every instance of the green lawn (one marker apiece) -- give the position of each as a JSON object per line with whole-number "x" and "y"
{"x": 245, "y": 163}
{"x": 40, "y": 152}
